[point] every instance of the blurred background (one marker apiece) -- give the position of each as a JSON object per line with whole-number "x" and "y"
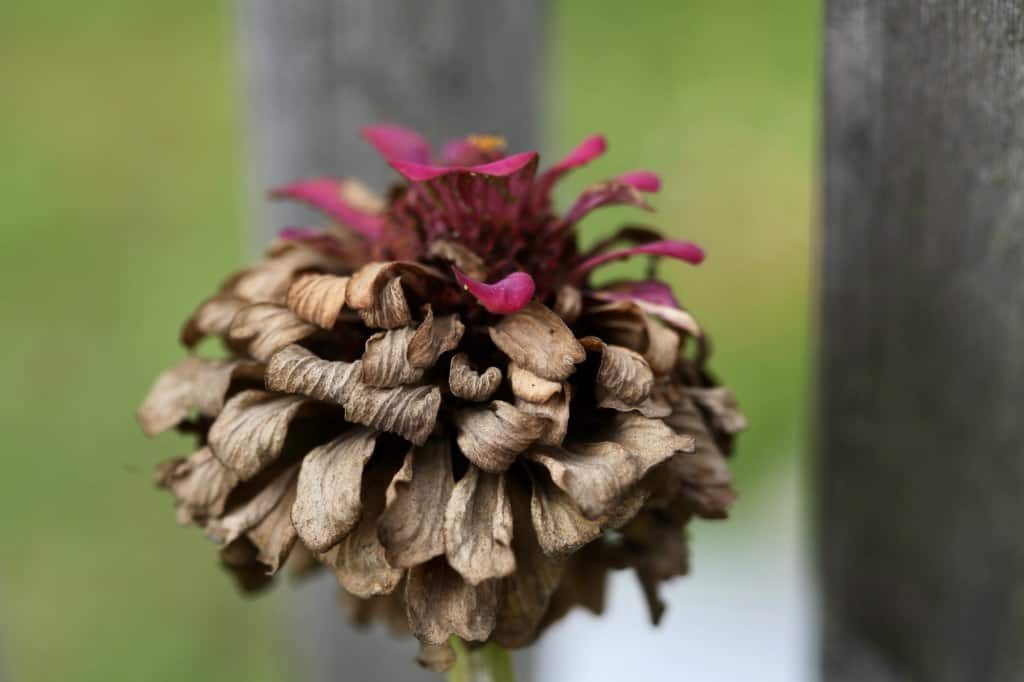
{"x": 123, "y": 205}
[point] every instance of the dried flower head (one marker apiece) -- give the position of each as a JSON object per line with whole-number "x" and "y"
{"x": 430, "y": 399}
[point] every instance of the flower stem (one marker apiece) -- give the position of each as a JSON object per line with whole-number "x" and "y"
{"x": 486, "y": 663}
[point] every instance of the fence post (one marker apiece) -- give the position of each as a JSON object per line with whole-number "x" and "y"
{"x": 319, "y": 70}
{"x": 922, "y": 367}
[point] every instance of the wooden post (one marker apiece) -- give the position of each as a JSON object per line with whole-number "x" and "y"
{"x": 922, "y": 362}
{"x": 319, "y": 70}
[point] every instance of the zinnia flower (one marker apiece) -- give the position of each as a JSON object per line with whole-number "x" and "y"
{"x": 431, "y": 399}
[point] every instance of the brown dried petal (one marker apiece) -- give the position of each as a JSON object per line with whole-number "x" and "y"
{"x": 328, "y": 502}
{"x": 359, "y": 560}
{"x": 318, "y": 298}
{"x": 466, "y": 383}
{"x": 194, "y": 383}
{"x": 436, "y": 657}
{"x": 433, "y": 337}
{"x": 252, "y": 510}
{"x": 555, "y": 410}
{"x": 412, "y": 525}
{"x": 200, "y": 483}
{"x": 478, "y": 527}
{"x": 384, "y": 362}
{"x": 389, "y": 309}
{"x": 526, "y": 594}
{"x": 537, "y": 340}
{"x": 240, "y": 558}
{"x": 529, "y": 386}
{"x": 721, "y": 404}
{"x": 275, "y": 535}
{"x": 411, "y": 412}
{"x": 623, "y": 375}
{"x": 268, "y": 281}
{"x": 662, "y": 348}
{"x": 265, "y": 328}
{"x": 559, "y": 525}
{"x": 597, "y": 474}
{"x": 568, "y": 303}
{"x": 367, "y": 282}
{"x": 250, "y": 433}
{"x": 703, "y": 475}
{"x": 441, "y": 604}
{"x": 459, "y": 256}
{"x": 212, "y": 318}
{"x": 492, "y": 436}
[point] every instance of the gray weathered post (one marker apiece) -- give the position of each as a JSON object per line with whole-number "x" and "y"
{"x": 922, "y": 368}
{"x": 319, "y": 70}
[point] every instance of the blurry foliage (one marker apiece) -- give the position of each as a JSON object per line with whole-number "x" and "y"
{"x": 122, "y": 194}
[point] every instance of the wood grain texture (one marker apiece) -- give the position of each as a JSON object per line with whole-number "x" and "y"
{"x": 922, "y": 371}
{"x": 319, "y": 70}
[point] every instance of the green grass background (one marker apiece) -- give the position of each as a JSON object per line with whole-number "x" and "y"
{"x": 120, "y": 181}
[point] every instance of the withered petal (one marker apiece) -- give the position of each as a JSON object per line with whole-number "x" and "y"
{"x": 528, "y": 386}
{"x": 192, "y": 384}
{"x": 538, "y": 340}
{"x": 366, "y": 283}
{"x": 558, "y": 523}
{"x": 251, "y": 510}
{"x": 556, "y": 410}
{"x": 262, "y": 329}
{"x": 459, "y": 256}
{"x": 597, "y": 474}
{"x": 468, "y": 384}
{"x": 409, "y": 411}
{"x": 200, "y": 483}
{"x": 721, "y": 404}
{"x": 384, "y": 363}
{"x": 623, "y": 375}
{"x": 328, "y": 502}
{"x": 268, "y": 280}
{"x": 436, "y": 657}
{"x": 568, "y": 303}
{"x": 251, "y": 430}
{"x": 389, "y": 309}
{"x": 359, "y": 560}
{"x": 212, "y": 318}
{"x": 275, "y": 535}
{"x": 440, "y": 604}
{"x": 478, "y": 527}
{"x": 318, "y": 298}
{"x": 492, "y": 436}
{"x": 433, "y": 337}
{"x": 411, "y": 528}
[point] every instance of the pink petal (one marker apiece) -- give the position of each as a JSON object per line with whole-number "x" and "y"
{"x": 504, "y": 297}
{"x": 585, "y": 152}
{"x": 650, "y": 290}
{"x": 611, "y": 193}
{"x": 645, "y": 181}
{"x": 672, "y": 248}
{"x": 473, "y": 150}
{"x": 396, "y": 143}
{"x": 327, "y": 195}
{"x": 419, "y": 172}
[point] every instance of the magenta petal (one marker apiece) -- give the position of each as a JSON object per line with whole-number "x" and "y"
{"x": 611, "y": 193}
{"x": 419, "y": 172}
{"x": 672, "y": 248}
{"x": 504, "y": 297}
{"x": 585, "y": 152}
{"x": 645, "y": 181}
{"x": 473, "y": 150}
{"x": 327, "y": 195}
{"x": 396, "y": 143}
{"x": 650, "y": 290}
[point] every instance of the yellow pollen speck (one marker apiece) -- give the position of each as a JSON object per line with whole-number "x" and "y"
{"x": 488, "y": 143}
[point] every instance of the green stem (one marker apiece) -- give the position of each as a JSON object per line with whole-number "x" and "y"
{"x": 486, "y": 663}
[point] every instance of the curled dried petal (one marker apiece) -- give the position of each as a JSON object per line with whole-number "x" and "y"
{"x": 529, "y": 386}
{"x": 318, "y": 298}
{"x": 328, "y": 502}
{"x": 568, "y": 303}
{"x": 384, "y": 362}
{"x": 212, "y": 318}
{"x": 555, "y": 410}
{"x": 265, "y": 328}
{"x": 441, "y": 604}
{"x": 597, "y": 474}
{"x": 468, "y": 384}
{"x": 411, "y": 529}
{"x": 538, "y": 340}
{"x": 492, "y": 436}
{"x": 409, "y": 411}
{"x": 459, "y": 256}
{"x": 623, "y": 377}
{"x": 506, "y": 296}
{"x": 250, "y": 433}
{"x": 721, "y": 403}
{"x": 200, "y": 483}
{"x": 478, "y": 527}
{"x": 252, "y": 509}
{"x": 274, "y": 536}
{"x": 433, "y": 337}
{"x": 389, "y": 309}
